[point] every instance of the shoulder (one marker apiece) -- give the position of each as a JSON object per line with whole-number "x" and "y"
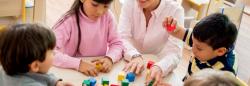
{"x": 171, "y": 4}
{"x": 66, "y": 19}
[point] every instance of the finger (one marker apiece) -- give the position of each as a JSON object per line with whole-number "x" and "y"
{"x": 173, "y": 23}
{"x": 139, "y": 68}
{"x": 127, "y": 67}
{"x": 132, "y": 69}
{"x": 150, "y": 78}
{"x": 169, "y": 20}
{"x": 157, "y": 79}
{"x": 105, "y": 67}
{"x": 92, "y": 73}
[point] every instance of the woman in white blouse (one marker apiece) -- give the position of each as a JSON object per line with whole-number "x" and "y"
{"x": 140, "y": 25}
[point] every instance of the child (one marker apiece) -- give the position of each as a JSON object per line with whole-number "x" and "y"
{"x": 26, "y": 54}
{"x": 87, "y": 30}
{"x": 210, "y": 77}
{"x": 212, "y": 41}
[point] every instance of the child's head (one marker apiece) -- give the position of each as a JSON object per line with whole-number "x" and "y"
{"x": 26, "y": 48}
{"x": 91, "y": 8}
{"x": 213, "y": 36}
{"x": 210, "y": 77}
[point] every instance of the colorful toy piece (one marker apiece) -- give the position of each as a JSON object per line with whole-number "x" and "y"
{"x": 98, "y": 66}
{"x": 125, "y": 82}
{"x": 121, "y": 76}
{"x": 114, "y": 85}
{"x": 170, "y": 28}
{"x": 92, "y": 81}
{"x": 86, "y": 83}
{"x": 105, "y": 81}
{"x": 130, "y": 77}
{"x": 150, "y": 64}
{"x": 151, "y": 83}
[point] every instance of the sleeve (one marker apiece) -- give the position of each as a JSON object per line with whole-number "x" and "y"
{"x": 115, "y": 43}
{"x": 63, "y": 60}
{"x": 52, "y": 80}
{"x": 125, "y": 29}
{"x": 172, "y": 51}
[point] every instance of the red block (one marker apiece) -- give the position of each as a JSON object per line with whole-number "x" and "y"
{"x": 170, "y": 28}
{"x": 150, "y": 64}
{"x": 114, "y": 85}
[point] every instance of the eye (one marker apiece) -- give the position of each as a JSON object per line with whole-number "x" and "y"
{"x": 199, "y": 49}
{"x": 106, "y": 6}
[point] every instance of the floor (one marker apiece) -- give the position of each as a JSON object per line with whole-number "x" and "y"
{"x": 55, "y": 10}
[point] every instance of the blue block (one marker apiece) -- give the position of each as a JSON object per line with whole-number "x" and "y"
{"x": 130, "y": 77}
{"x": 92, "y": 81}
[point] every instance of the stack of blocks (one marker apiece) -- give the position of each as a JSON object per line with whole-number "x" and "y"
{"x": 105, "y": 81}
{"x": 125, "y": 82}
{"x": 149, "y": 65}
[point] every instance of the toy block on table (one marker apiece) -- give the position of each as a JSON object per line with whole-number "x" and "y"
{"x": 98, "y": 66}
{"x": 147, "y": 74}
{"x": 92, "y": 81}
{"x": 151, "y": 83}
{"x": 121, "y": 76}
{"x": 114, "y": 85}
{"x": 130, "y": 77}
{"x": 105, "y": 81}
{"x": 86, "y": 83}
{"x": 125, "y": 82}
{"x": 150, "y": 64}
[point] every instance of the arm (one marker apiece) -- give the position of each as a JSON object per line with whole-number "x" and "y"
{"x": 115, "y": 43}
{"x": 172, "y": 51}
{"x": 62, "y": 32}
{"x": 125, "y": 29}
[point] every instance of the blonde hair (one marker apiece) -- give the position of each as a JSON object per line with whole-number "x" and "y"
{"x": 210, "y": 77}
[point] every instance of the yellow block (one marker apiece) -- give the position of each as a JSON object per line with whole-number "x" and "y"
{"x": 98, "y": 66}
{"x": 121, "y": 76}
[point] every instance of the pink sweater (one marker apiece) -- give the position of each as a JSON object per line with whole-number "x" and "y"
{"x": 99, "y": 38}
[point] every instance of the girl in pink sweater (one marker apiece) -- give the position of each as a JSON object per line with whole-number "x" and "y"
{"x": 88, "y": 29}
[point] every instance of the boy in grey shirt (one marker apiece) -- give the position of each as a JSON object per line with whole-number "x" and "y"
{"x": 26, "y": 54}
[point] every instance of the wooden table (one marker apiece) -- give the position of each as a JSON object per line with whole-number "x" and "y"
{"x": 76, "y": 77}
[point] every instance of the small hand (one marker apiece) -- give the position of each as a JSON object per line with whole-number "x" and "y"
{"x": 62, "y": 83}
{"x": 136, "y": 65}
{"x": 155, "y": 74}
{"x": 88, "y": 68}
{"x": 106, "y": 63}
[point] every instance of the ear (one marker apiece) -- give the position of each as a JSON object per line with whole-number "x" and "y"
{"x": 221, "y": 51}
{"x": 34, "y": 66}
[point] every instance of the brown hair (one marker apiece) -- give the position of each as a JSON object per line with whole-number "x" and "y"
{"x": 21, "y": 44}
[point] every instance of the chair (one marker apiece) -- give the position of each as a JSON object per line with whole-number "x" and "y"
{"x": 13, "y": 8}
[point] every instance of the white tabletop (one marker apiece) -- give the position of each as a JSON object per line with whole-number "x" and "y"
{"x": 76, "y": 77}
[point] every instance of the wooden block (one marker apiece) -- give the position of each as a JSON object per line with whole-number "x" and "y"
{"x": 150, "y": 64}
{"x": 125, "y": 82}
{"x": 121, "y": 76}
{"x": 130, "y": 77}
{"x": 105, "y": 81}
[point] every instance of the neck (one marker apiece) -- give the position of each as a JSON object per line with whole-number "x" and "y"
{"x": 153, "y": 6}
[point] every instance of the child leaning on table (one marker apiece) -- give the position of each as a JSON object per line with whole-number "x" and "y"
{"x": 26, "y": 54}
{"x": 212, "y": 41}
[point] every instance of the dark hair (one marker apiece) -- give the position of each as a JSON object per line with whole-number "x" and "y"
{"x": 21, "y": 44}
{"x": 216, "y": 30}
{"x": 75, "y": 10}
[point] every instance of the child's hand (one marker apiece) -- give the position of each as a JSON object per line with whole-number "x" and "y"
{"x": 156, "y": 75}
{"x": 106, "y": 63}
{"x": 62, "y": 83}
{"x": 170, "y": 24}
{"x": 136, "y": 65}
{"x": 88, "y": 68}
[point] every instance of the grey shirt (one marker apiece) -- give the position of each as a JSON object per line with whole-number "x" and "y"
{"x": 27, "y": 79}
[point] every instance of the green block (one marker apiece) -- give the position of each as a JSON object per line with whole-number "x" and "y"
{"x": 151, "y": 83}
{"x": 105, "y": 81}
{"x": 86, "y": 83}
{"x": 125, "y": 82}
